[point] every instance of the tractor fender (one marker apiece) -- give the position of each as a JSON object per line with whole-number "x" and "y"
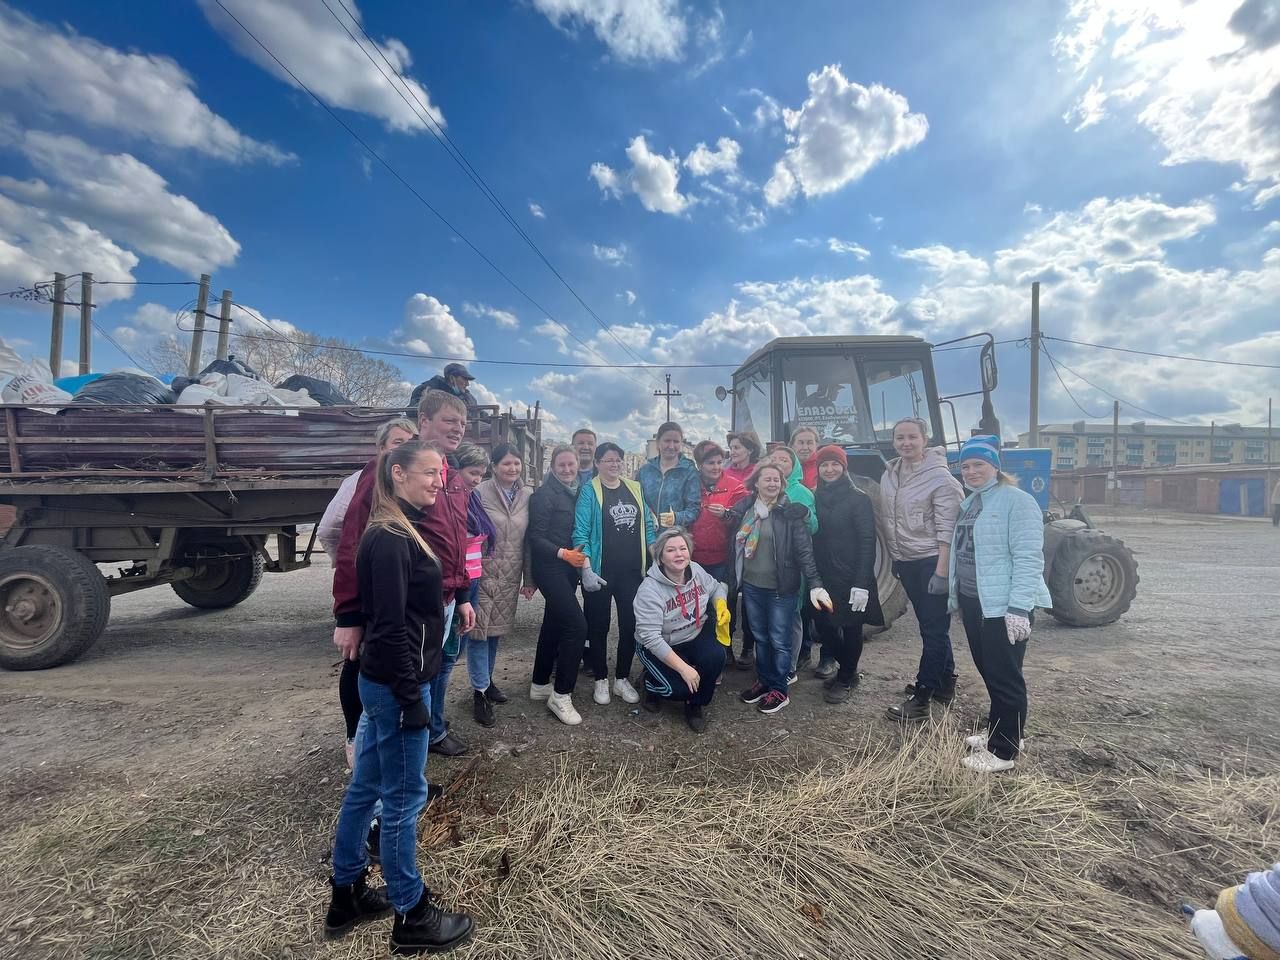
{"x": 1054, "y": 533}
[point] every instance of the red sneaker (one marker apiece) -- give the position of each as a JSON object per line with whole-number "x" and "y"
{"x": 773, "y": 701}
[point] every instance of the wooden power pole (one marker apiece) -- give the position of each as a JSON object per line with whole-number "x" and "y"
{"x": 224, "y": 324}
{"x": 1114, "y": 497}
{"x": 1034, "y": 439}
{"x": 668, "y": 393}
{"x": 55, "y": 331}
{"x": 197, "y": 334}
{"x": 86, "y": 320}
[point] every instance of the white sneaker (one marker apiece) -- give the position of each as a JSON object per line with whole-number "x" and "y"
{"x": 625, "y": 690}
{"x": 540, "y": 691}
{"x": 979, "y": 742}
{"x": 561, "y": 706}
{"x": 601, "y": 693}
{"x": 986, "y": 762}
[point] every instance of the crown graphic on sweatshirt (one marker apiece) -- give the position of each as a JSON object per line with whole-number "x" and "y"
{"x": 623, "y": 514}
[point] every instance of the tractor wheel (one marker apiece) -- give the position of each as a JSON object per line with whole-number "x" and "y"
{"x": 893, "y": 596}
{"x": 229, "y": 571}
{"x": 1093, "y": 579}
{"x": 53, "y": 605}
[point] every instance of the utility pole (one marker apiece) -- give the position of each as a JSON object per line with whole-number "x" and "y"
{"x": 197, "y": 335}
{"x": 1115, "y": 459}
{"x": 224, "y": 324}
{"x": 1034, "y": 439}
{"x": 668, "y": 393}
{"x": 1270, "y": 457}
{"x": 86, "y": 320}
{"x": 55, "y": 332}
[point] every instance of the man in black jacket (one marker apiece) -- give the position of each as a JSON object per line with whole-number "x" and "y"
{"x": 454, "y": 379}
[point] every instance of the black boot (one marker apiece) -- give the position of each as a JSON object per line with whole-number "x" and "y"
{"x": 746, "y": 660}
{"x": 354, "y": 903}
{"x": 483, "y": 710}
{"x": 839, "y": 688}
{"x": 694, "y": 716}
{"x": 948, "y": 691}
{"x": 428, "y": 929}
{"x": 495, "y": 694}
{"x": 651, "y": 701}
{"x": 912, "y": 710}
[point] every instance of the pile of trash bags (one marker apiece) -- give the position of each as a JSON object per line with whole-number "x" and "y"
{"x": 224, "y": 383}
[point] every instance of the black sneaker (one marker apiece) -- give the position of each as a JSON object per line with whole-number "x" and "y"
{"x": 651, "y": 701}
{"x": 826, "y": 668}
{"x": 912, "y": 710}
{"x": 448, "y": 746}
{"x": 696, "y": 719}
{"x": 354, "y": 903}
{"x": 753, "y": 694}
{"x": 494, "y": 694}
{"x": 428, "y": 929}
{"x": 944, "y": 696}
{"x": 373, "y": 842}
{"x": 838, "y": 690}
{"x": 483, "y": 710}
{"x": 745, "y": 660}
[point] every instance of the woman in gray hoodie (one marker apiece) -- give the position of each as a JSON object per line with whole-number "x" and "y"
{"x": 678, "y": 608}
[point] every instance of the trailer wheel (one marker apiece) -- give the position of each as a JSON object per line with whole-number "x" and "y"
{"x": 53, "y": 605}
{"x": 893, "y": 596}
{"x": 1093, "y": 579}
{"x": 229, "y": 572}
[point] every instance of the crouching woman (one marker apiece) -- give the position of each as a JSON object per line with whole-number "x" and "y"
{"x": 679, "y": 608}
{"x": 996, "y": 581}
{"x": 400, "y": 594}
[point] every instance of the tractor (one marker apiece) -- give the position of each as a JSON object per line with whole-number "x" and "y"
{"x": 852, "y": 389}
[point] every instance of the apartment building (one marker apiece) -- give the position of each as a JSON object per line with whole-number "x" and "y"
{"x": 1082, "y": 444}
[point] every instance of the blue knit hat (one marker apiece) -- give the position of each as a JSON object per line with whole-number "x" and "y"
{"x": 982, "y": 448}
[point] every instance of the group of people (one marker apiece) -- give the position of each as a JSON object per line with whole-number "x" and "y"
{"x": 435, "y": 540}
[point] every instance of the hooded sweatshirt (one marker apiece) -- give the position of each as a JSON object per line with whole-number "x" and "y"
{"x": 668, "y": 614}
{"x": 797, "y": 492}
{"x": 917, "y": 509}
{"x": 677, "y": 491}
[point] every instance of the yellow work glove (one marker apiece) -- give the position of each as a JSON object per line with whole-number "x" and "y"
{"x": 722, "y": 622}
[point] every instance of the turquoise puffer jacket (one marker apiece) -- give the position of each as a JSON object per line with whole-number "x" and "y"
{"x": 1009, "y": 549}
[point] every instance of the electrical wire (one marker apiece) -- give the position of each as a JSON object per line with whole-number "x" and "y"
{"x": 111, "y": 340}
{"x": 1054, "y": 364}
{"x": 423, "y": 113}
{"x": 413, "y": 190}
{"x": 1129, "y": 403}
{"x": 1164, "y": 356}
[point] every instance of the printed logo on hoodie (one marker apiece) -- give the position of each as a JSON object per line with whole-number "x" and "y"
{"x": 624, "y": 515}
{"x": 687, "y": 601}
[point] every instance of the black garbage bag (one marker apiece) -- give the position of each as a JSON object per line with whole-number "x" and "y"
{"x": 322, "y": 391}
{"x": 229, "y": 366}
{"x": 114, "y": 388}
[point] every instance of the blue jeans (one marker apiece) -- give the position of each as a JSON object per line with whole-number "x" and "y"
{"x": 482, "y": 655}
{"x": 772, "y": 615}
{"x": 389, "y": 765}
{"x": 439, "y": 686}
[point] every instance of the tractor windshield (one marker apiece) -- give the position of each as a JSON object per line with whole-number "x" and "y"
{"x": 824, "y": 392}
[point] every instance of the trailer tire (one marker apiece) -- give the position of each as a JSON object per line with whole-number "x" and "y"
{"x": 53, "y": 605}
{"x": 1092, "y": 580}
{"x": 221, "y": 583}
{"x": 893, "y": 596}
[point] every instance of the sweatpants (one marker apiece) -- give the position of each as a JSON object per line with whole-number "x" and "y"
{"x": 564, "y": 628}
{"x": 620, "y": 592}
{"x": 999, "y": 662}
{"x": 937, "y": 660}
{"x": 704, "y": 653}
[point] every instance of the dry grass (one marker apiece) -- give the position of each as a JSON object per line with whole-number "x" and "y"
{"x": 886, "y": 854}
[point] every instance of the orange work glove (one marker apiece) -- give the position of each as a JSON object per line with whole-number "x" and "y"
{"x": 574, "y": 558}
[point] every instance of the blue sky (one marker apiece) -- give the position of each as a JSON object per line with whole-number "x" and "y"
{"x": 705, "y": 176}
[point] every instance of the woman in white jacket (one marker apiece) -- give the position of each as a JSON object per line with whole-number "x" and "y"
{"x": 679, "y": 608}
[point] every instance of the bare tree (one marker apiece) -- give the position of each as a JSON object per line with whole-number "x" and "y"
{"x": 364, "y": 380}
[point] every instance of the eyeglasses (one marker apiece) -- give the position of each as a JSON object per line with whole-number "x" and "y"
{"x": 611, "y": 463}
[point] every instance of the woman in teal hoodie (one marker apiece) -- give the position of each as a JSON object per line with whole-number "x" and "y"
{"x": 996, "y": 580}
{"x": 805, "y": 627}
{"x": 614, "y": 527}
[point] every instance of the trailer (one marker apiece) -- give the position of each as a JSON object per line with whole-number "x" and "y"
{"x": 98, "y": 501}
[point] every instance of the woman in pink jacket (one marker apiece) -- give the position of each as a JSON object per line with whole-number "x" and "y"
{"x": 918, "y": 503}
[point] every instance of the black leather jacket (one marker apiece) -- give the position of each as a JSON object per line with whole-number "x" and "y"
{"x": 551, "y": 509}
{"x": 793, "y": 547}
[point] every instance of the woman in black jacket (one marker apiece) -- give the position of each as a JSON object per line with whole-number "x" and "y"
{"x": 772, "y": 553}
{"x": 845, "y": 550}
{"x": 555, "y": 572}
{"x": 400, "y": 596}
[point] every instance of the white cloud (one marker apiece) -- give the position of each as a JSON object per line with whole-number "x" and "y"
{"x": 555, "y": 333}
{"x": 703, "y": 161}
{"x": 952, "y": 266}
{"x": 123, "y": 198}
{"x": 613, "y": 256}
{"x": 1203, "y": 79}
{"x": 505, "y": 319}
{"x": 430, "y": 327}
{"x": 55, "y": 70}
{"x": 835, "y": 245}
{"x": 653, "y": 178}
{"x": 35, "y": 244}
{"x": 305, "y": 36}
{"x": 629, "y": 296}
{"x": 631, "y": 29}
{"x": 767, "y": 112}
{"x": 839, "y": 133}
{"x": 536, "y": 210}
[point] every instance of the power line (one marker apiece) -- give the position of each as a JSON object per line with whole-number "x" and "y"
{"x": 413, "y": 190}
{"x": 1130, "y": 403}
{"x": 1054, "y": 364}
{"x": 1164, "y": 356}
{"x": 423, "y": 113}
{"x": 111, "y": 340}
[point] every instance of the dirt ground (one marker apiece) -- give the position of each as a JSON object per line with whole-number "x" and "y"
{"x": 194, "y": 721}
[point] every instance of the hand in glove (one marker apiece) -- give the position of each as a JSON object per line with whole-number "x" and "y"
{"x": 415, "y": 717}
{"x": 938, "y": 585}
{"x": 574, "y": 558}
{"x": 821, "y": 599}
{"x": 1018, "y": 627}
{"x": 722, "y": 622}
{"x": 592, "y": 581}
{"x": 858, "y": 599}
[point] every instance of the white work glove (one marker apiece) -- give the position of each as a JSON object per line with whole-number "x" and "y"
{"x": 1018, "y": 627}
{"x": 820, "y": 599}
{"x": 858, "y": 599}
{"x": 592, "y": 581}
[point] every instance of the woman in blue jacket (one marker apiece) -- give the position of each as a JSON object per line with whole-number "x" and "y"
{"x": 996, "y": 581}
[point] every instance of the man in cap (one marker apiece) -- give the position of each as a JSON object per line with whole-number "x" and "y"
{"x": 454, "y": 379}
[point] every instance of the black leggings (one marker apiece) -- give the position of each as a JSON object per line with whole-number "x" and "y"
{"x": 844, "y": 643}
{"x": 621, "y": 592}
{"x": 564, "y": 628}
{"x": 349, "y": 695}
